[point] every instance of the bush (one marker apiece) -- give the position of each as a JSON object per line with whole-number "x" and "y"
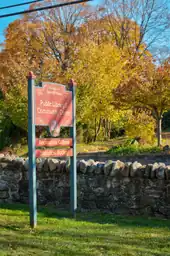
{"x": 132, "y": 150}
{"x": 6, "y": 128}
{"x": 142, "y": 126}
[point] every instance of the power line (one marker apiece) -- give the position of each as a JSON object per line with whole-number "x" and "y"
{"x": 16, "y": 5}
{"x": 44, "y": 8}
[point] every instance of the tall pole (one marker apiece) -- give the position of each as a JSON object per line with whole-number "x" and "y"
{"x": 31, "y": 151}
{"x": 73, "y": 164}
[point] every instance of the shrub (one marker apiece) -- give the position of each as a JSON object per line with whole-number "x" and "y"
{"x": 142, "y": 126}
{"x": 132, "y": 150}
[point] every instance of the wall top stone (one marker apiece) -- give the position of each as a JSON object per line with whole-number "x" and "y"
{"x": 117, "y": 169}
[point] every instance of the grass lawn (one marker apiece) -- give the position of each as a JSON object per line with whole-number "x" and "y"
{"x": 22, "y": 150}
{"x": 91, "y": 234}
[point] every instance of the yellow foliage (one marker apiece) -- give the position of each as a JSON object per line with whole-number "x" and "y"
{"x": 142, "y": 126}
{"x": 97, "y": 69}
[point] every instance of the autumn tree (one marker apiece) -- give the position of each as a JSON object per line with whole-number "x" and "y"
{"x": 137, "y": 24}
{"x": 58, "y": 29}
{"x": 148, "y": 90}
{"x": 97, "y": 69}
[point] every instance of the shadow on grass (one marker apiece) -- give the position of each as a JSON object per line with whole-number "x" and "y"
{"x": 118, "y": 235}
{"x": 93, "y": 217}
{"x": 75, "y": 243}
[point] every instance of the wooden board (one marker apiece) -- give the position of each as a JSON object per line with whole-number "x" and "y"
{"x": 40, "y": 153}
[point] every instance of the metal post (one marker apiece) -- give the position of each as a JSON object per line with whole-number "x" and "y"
{"x": 73, "y": 164}
{"x": 31, "y": 152}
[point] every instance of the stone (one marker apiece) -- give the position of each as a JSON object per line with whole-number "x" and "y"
{"x": 4, "y": 194}
{"x": 155, "y": 166}
{"x": 53, "y": 164}
{"x": 92, "y": 182}
{"x": 147, "y": 201}
{"x": 140, "y": 171}
{"x": 86, "y": 204}
{"x": 45, "y": 167}
{"x": 166, "y": 148}
{"x": 39, "y": 163}
{"x": 91, "y": 169}
{"x": 126, "y": 180}
{"x": 91, "y": 165}
{"x": 168, "y": 190}
{"x": 126, "y": 170}
{"x": 116, "y": 168}
{"x": 160, "y": 172}
{"x": 167, "y": 172}
{"x": 68, "y": 166}
{"x": 99, "y": 168}
{"x": 5, "y": 159}
{"x": 147, "y": 172}
{"x": 89, "y": 196}
{"x": 134, "y": 168}
{"x": 3, "y": 186}
{"x": 115, "y": 183}
{"x": 15, "y": 196}
{"x": 9, "y": 158}
{"x": 108, "y": 167}
{"x": 81, "y": 181}
{"x": 14, "y": 187}
{"x": 109, "y": 183}
{"x": 83, "y": 166}
{"x": 98, "y": 191}
{"x": 26, "y": 165}
{"x": 18, "y": 163}
{"x": 78, "y": 165}
{"x": 90, "y": 162}
{"x": 62, "y": 166}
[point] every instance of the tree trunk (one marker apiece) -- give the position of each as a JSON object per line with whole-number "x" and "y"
{"x": 105, "y": 127}
{"x": 159, "y": 131}
{"x": 109, "y": 128}
{"x": 97, "y": 128}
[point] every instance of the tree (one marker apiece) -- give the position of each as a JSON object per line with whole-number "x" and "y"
{"x": 148, "y": 90}
{"x": 58, "y": 29}
{"x": 141, "y": 126}
{"x": 137, "y": 24}
{"x": 97, "y": 69}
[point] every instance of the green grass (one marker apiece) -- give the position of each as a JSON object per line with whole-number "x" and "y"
{"x": 91, "y": 234}
{"x": 133, "y": 150}
{"x": 98, "y": 146}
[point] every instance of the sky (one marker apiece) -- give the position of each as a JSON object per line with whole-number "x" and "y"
{"x": 5, "y": 21}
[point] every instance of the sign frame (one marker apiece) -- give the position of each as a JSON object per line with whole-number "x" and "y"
{"x": 33, "y": 143}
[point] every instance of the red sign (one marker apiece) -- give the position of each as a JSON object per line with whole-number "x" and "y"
{"x": 53, "y": 107}
{"x": 54, "y": 153}
{"x": 54, "y": 142}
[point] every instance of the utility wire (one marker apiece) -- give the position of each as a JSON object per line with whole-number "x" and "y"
{"x": 16, "y": 5}
{"x": 44, "y": 8}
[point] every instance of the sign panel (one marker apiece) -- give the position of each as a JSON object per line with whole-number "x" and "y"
{"x": 53, "y": 107}
{"x": 54, "y": 142}
{"x": 40, "y": 153}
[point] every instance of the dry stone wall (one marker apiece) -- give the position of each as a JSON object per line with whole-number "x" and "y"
{"x": 112, "y": 186}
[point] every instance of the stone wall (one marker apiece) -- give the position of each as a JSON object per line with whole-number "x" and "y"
{"x": 123, "y": 188}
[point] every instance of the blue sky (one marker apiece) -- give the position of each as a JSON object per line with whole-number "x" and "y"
{"x": 5, "y": 21}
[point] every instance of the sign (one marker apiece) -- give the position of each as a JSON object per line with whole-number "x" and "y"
{"x": 54, "y": 142}
{"x": 54, "y": 153}
{"x": 53, "y": 107}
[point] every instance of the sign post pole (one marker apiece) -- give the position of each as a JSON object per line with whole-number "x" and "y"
{"x": 73, "y": 164}
{"x": 31, "y": 151}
